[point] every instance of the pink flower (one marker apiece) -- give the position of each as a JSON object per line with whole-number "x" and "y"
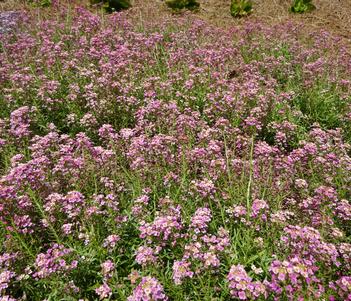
{"x": 181, "y": 270}
{"x": 103, "y": 291}
{"x": 149, "y": 289}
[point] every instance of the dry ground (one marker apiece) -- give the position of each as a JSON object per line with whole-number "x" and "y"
{"x": 330, "y": 15}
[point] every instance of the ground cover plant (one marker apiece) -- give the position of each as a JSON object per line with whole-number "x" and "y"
{"x": 240, "y": 8}
{"x": 301, "y": 6}
{"x": 181, "y": 4}
{"x": 176, "y": 161}
{"x": 113, "y": 5}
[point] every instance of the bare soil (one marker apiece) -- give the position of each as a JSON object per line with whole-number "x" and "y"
{"x": 330, "y": 15}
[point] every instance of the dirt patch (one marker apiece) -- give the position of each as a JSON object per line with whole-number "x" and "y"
{"x": 331, "y": 15}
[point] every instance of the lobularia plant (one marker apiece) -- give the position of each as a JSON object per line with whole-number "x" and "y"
{"x": 240, "y": 8}
{"x": 113, "y": 5}
{"x": 301, "y": 6}
{"x": 180, "y": 4}
{"x": 174, "y": 162}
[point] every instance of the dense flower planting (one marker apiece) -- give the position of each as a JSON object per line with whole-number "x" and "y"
{"x": 174, "y": 161}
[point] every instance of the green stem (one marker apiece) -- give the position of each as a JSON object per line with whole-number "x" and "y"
{"x": 248, "y": 192}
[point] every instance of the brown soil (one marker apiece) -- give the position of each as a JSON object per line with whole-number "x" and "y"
{"x": 331, "y": 15}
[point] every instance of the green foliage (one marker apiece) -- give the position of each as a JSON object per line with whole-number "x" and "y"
{"x": 40, "y": 3}
{"x": 113, "y": 5}
{"x": 180, "y": 4}
{"x": 301, "y": 6}
{"x": 240, "y": 8}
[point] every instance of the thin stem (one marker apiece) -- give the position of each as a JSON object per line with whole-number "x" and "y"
{"x": 248, "y": 192}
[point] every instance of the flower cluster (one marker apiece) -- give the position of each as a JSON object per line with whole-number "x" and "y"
{"x": 181, "y": 270}
{"x": 149, "y": 289}
{"x": 291, "y": 276}
{"x": 53, "y": 261}
{"x": 165, "y": 228}
{"x": 241, "y": 285}
{"x": 342, "y": 287}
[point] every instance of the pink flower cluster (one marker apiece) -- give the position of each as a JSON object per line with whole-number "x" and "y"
{"x": 241, "y": 285}
{"x": 291, "y": 276}
{"x": 53, "y": 261}
{"x": 149, "y": 289}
